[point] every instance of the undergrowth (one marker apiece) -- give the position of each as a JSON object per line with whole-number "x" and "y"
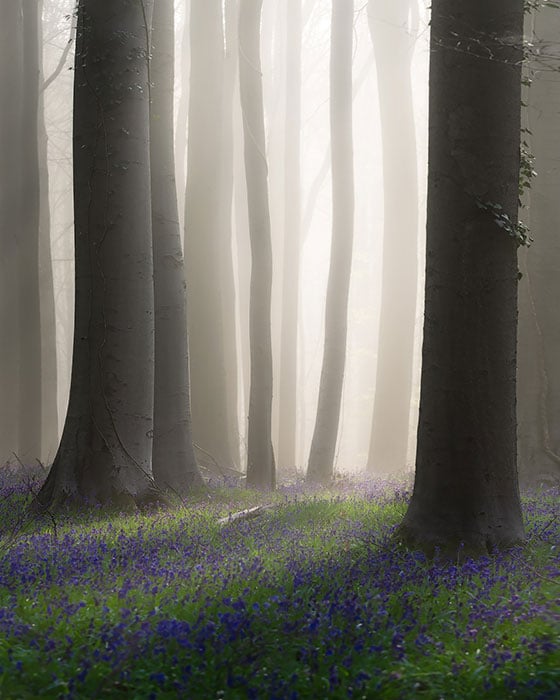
{"x": 310, "y": 599}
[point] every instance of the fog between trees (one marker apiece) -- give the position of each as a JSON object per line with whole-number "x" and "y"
{"x": 222, "y": 187}
{"x": 314, "y": 221}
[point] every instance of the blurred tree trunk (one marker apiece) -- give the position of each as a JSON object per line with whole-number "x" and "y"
{"x": 321, "y": 457}
{"x": 11, "y": 118}
{"x": 181, "y": 132}
{"x": 292, "y": 241}
{"x": 174, "y": 463}
{"x": 393, "y": 46}
{"x": 466, "y": 488}
{"x": 49, "y": 373}
{"x": 204, "y": 220}
{"x": 106, "y": 448}
{"x": 227, "y": 286}
{"x": 260, "y": 454}
{"x": 539, "y": 322}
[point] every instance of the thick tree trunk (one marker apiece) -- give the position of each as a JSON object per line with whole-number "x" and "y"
{"x": 287, "y": 411}
{"x": 321, "y": 457}
{"x": 11, "y": 116}
{"x": 106, "y": 448}
{"x": 174, "y": 463}
{"x": 203, "y": 234}
{"x": 466, "y": 488}
{"x": 260, "y": 455}
{"x": 393, "y": 46}
{"x": 539, "y": 322}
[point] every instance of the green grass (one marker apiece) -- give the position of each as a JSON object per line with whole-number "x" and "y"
{"x": 309, "y": 600}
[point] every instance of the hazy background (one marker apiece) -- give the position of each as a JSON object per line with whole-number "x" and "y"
{"x": 364, "y": 305}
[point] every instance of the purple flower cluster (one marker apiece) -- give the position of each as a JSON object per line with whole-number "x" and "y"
{"x": 309, "y": 600}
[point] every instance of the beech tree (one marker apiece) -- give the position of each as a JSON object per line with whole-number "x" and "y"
{"x": 287, "y": 408}
{"x": 49, "y": 371}
{"x": 261, "y": 471}
{"x": 30, "y": 383}
{"x": 204, "y": 241}
{"x": 539, "y": 321}
{"x": 106, "y": 448}
{"x": 466, "y": 488}
{"x": 321, "y": 456}
{"x": 11, "y": 81}
{"x": 393, "y": 45}
{"x": 174, "y": 463}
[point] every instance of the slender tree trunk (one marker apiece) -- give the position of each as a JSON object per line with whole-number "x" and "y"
{"x": 260, "y": 454}
{"x": 203, "y": 235}
{"x": 466, "y": 488}
{"x": 106, "y": 448}
{"x": 227, "y": 281}
{"x": 539, "y": 324}
{"x": 393, "y": 46}
{"x": 11, "y": 80}
{"x": 174, "y": 463}
{"x": 49, "y": 379}
{"x": 321, "y": 457}
{"x": 181, "y": 131}
{"x": 292, "y": 241}
{"x": 28, "y": 233}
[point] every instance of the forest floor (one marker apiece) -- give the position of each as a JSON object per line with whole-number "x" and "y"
{"x": 311, "y": 599}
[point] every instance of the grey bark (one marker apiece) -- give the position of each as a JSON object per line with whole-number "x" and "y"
{"x": 261, "y": 470}
{"x": 11, "y": 81}
{"x": 49, "y": 371}
{"x": 30, "y": 403}
{"x": 181, "y": 132}
{"x": 226, "y": 267}
{"x": 323, "y": 444}
{"x": 292, "y": 241}
{"x": 393, "y": 46}
{"x": 106, "y": 447}
{"x": 203, "y": 234}
{"x": 466, "y": 488}
{"x": 539, "y": 323}
{"x": 174, "y": 463}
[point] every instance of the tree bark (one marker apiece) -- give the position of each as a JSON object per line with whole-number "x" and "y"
{"x": 466, "y": 488}
{"x": 203, "y": 234}
{"x": 226, "y": 266}
{"x": 260, "y": 454}
{"x": 105, "y": 453}
{"x": 11, "y": 116}
{"x": 393, "y": 46}
{"x": 323, "y": 444}
{"x": 174, "y": 463}
{"x": 287, "y": 410}
{"x": 539, "y": 324}
{"x": 49, "y": 372}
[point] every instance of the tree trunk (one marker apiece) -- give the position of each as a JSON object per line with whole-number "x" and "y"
{"x": 260, "y": 454}
{"x": 203, "y": 234}
{"x": 181, "y": 131}
{"x": 174, "y": 463}
{"x": 227, "y": 278}
{"x": 466, "y": 488}
{"x": 49, "y": 372}
{"x": 539, "y": 324}
{"x": 11, "y": 116}
{"x": 323, "y": 444}
{"x": 393, "y": 46}
{"x": 106, "y": 448}
{"x": 292, "y": 242}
